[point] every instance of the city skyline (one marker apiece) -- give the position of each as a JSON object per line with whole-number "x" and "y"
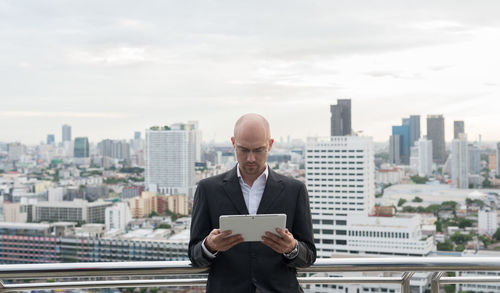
{"x": 129, "y": 67}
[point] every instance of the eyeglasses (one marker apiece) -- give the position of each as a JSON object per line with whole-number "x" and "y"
{"x": 256, "y": 152}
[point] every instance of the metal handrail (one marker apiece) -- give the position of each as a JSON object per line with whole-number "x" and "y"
{"x": 407, "y": 265}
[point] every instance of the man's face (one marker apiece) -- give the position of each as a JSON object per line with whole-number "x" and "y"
{"x": 251, "y": 148}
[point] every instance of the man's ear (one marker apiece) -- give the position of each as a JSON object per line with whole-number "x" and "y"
{"x": 232, "y": 140}
{"x": 271, "y": 141}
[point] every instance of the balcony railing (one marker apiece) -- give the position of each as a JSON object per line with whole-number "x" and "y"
{"x": 149, "y": 274}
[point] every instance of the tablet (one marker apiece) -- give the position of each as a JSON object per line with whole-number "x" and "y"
{"x": 252, "y": 227}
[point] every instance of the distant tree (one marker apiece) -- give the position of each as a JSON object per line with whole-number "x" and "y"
{"x": 445, "y": 246}
{"x": 401, "y": 202}
{"x": 433, "y": 208}
{"x": 417, "y": 199}
{"x": 384, "y": 156}
{"x": 420, "y": 209}
{"x": 409, "y": 209}
{"x": 449, "y": 288}
{"x": 153, "y": 214}
{"x": 485, "y": 240}
{"x": 460, "y": 247}
{"x": 460, "y": 238}
{"x": 462, "y": 223}
{"x": 496, "y": 235}
{"x": 486, "y": 183}
{"x": 448, "y": 205}
{"x": 164, "y": 226}
{"x": 419, "y": 180}
{"x": 439, "y": 226}
{"x": 133, "y": 170}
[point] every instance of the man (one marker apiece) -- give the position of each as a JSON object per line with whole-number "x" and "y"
{"x": 251, "y": 188}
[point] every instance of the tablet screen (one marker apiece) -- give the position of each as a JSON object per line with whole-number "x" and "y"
{"x": 252, "y": 227}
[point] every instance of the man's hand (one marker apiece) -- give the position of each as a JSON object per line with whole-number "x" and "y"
{"x": 221, "y": 241}
{"x": 284, "y": 243}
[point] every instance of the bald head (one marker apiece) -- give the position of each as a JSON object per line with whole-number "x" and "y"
{"x": 252, "y": 122}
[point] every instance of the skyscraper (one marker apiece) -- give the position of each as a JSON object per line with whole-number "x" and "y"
{"x": 498, "y": 159}
{"x": 395, "y": 149}
{"x": 474, "y": 159}
{"x": 458, "y": 127}
{"x": 435, "y": 132}
{"x": 341, "y": 118}
{"x": 421, "y": 157}
{"x": 170, "y": 157}
{"x": 460, "y": 162}
{"x": 413, "y": 128}
{"x": 403, "y": 132}
{"x": 50, "y": 139}
{"x": 115, "y": 149}
{"x": 137, "y": 135}
{"x": 406, "y": 134}
{"x": 81, "y": 149}
{"x": 66, "y": 133}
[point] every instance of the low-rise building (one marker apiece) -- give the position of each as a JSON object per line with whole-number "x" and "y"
{"x": 72, "y": 211}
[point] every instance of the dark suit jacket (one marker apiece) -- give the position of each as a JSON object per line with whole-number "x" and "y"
{"x": 251, "y": 265}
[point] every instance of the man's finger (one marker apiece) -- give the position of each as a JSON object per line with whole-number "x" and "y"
{"x": 281, "y": 233}
{"x": 273, "y": 245}
{"x": 275, "y": 238}
{"x": 230, "y": 242}
{"x": 226, "y": 232}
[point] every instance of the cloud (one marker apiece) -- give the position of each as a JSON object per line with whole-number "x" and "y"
{"x": 393, "y": 74}
{"x": 32, "y": 114}
{"x": 440, "y": 67}
{"x": 112, "y": 56}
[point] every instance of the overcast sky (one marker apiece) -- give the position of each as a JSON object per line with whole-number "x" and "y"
{"x": 109, "y": 68}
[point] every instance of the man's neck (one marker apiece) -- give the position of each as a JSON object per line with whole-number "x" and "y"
{"x": 249, "y": 179}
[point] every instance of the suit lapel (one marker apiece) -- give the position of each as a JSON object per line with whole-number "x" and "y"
{"x": 233, "y": 191}
{"x": 272, "y": 191}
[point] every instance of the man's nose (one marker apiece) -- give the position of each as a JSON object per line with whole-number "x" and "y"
{"x": 251, "y": 156}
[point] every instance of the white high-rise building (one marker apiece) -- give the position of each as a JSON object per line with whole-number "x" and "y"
{"x": 197, "y": 140}
{"x": 487, "y": 222}
{"x": 460, "y": 162}
{"x": 498, "y": 159}
{"x": 55, "y": 194}
{"x": 421, "y": 157}
{"x": 340, "y": 179}
{"x": 474, "y": 159}
{"x": 169, "y": 157}
{"x": 117, "y": 216}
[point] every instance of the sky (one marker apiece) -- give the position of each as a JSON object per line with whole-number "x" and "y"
{"x": 109, "y": 68}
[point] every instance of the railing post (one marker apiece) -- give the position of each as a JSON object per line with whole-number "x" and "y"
{"x": 435, "y": 281}
{"x": 2, "y": 287}
{"x": 405, "y": 282}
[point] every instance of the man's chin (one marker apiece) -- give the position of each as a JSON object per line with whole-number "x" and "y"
{"x": 251, "y": 169}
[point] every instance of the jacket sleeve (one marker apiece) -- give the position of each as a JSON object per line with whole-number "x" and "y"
{"x": 200, "y": 228}
{"x": 303, "y": 232}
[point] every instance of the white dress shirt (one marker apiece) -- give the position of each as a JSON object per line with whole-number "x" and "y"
{"x": 253, "y": 194}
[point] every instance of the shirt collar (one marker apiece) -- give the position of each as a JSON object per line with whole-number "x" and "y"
{"x": 265, "y": 173}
